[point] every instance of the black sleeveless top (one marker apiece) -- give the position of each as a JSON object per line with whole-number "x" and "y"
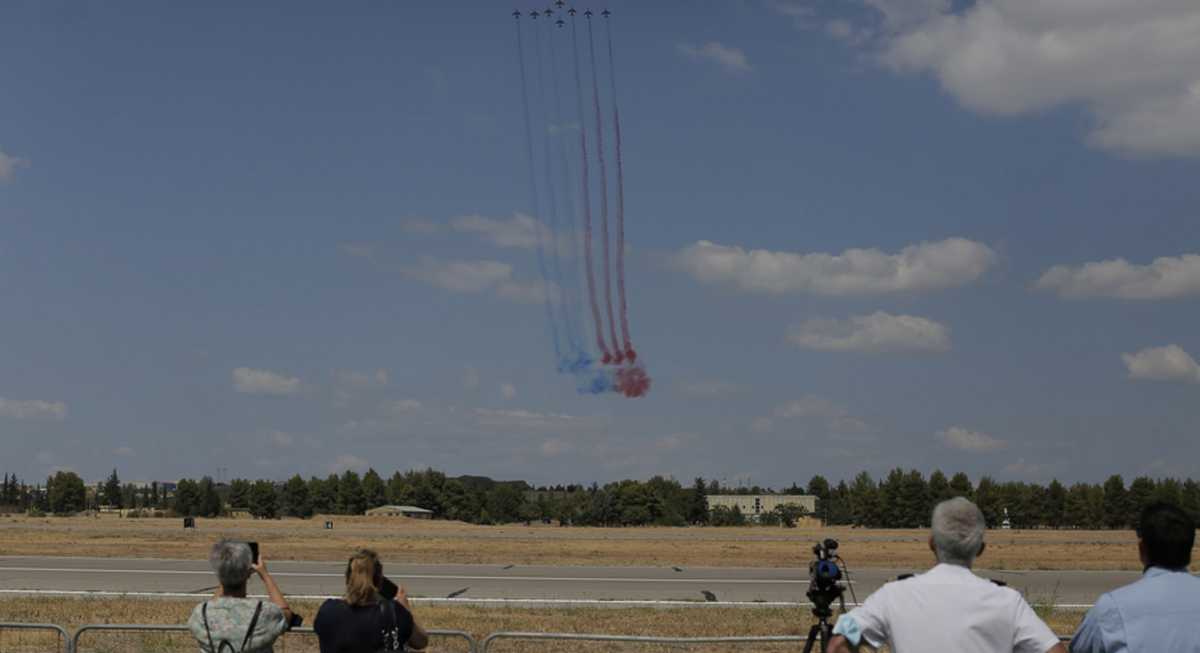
{"x": 345, "y": 628}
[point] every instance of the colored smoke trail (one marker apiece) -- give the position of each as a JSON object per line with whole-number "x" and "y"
{"x": 618, "y": 355}
{"x": 572, "y": 340}
{"x": 630, "y": 352}
{"x": 533, "y": 192}
{"x": 570, "y": 209}
{"x": 585, "y": 200}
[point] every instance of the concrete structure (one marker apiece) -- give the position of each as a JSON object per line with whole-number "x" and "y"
{"x": 753, "y": 505}
{"x": 400, "y": 511}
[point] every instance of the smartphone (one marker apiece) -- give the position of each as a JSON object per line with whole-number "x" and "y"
{"x": 388, "y": 589}
{"x": 253, "y": 551}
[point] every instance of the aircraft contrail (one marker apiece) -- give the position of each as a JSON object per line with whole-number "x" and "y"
{"x": 618, "y": 355}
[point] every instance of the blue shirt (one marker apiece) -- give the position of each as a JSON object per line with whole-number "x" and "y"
{"x": 1160, "y": 612}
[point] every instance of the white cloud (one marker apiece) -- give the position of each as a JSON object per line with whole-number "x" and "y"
{"x": 522, "y": 420}
{"x": 420, "y": 226}
{"x": 281, "y": 439}
{"x": 33, "y": 409}
{"x": 508, "y": 391}
{"x": 555, "y": 447}
{"x": 1170, "y": 363}
{"x": 9, "y": 165}
{"x": 878, "y": 332}
{"x": 358, "y": 250}
{"x": 1167, "y": 277}
{"x": 521, "y": 231}
{"x": 362, "y": 379}
{"x": 264, "y": 382}
{"x": 347, "y": 462}
{"x": 957, "y": 437}
{"x": 731, "y": 60}
{"x": 923, "y": 267}
{"x": 124, "y": 452}
{"x": 762, "y": 425}
{"x": 474, "y": 277}
{"x": 1132, "y": 64}
{"x": 810, "y": 406}
{"x": 400, "y": 406}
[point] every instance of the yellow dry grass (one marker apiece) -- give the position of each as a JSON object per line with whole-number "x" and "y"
{"x": 420, "y": 541}
{"x": 479, "y": 621}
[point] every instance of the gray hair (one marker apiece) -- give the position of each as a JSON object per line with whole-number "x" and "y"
{"x": 231, "y": 561}
{"x": 958, "y": 527}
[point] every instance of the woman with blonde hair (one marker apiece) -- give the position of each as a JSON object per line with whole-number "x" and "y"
{"x": 363, "y": 620}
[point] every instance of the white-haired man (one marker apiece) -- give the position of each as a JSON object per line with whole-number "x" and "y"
{"x": 947, "y": 608}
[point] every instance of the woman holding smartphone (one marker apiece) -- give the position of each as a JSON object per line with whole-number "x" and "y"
{"x": 364, "y": 620}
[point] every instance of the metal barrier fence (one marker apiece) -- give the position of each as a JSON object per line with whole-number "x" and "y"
{"x": 296, "y": 639}
{"x": 60, "y": 636}
{"x": 636, "y": 639}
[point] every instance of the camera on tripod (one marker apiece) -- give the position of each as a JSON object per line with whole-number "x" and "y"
{"x": 825, "y": 585}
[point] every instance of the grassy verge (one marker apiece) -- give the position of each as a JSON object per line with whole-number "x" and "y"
{"x": 479, "y": 621}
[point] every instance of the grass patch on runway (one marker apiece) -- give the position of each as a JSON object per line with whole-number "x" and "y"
{"x": 479, "y": 621}
{"x": 438, "y": 542}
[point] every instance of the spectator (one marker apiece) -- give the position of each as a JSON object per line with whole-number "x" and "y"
{"x": 1159, "y": 612}
{"x": 363, "y": 621}
{"x": 230, "y": 622}
{"x": 947, "y": 608}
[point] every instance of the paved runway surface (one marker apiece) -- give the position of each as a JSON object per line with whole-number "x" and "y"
{"x": 486, "y": 582}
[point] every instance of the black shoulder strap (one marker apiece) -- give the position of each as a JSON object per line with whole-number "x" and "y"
{"x": 207, "y": 630}
{"x": 998, "y": 582}
{"x": 250, "y": 628}
{"x": 389, "y": 624}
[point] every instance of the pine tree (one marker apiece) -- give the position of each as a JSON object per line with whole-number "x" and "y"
{"x": 1116, "y": 503}
{"x": 296, "y": 501}
{"x": 112, "y": 490}
{"x": 939, "y": 487}
{"x": 960, "y": 486}
{"x": 1141, "y": 494}
{"x": 864, "y": 501}
{"x": 350, "y": 495}
{"x": 1056, "y": 505}
{"x": 264, "y": 504}
{"x": 373, "y": 489}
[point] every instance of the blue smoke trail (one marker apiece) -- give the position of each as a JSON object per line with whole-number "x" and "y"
{"x": 533, "y": 193}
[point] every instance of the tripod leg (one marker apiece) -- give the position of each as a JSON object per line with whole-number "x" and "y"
{"x": 814, "y": 634}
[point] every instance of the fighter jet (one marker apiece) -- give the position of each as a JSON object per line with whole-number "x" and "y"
{"x": 559, "y": 4}
{"x": 571, "y": 11}
{"x": 588, "y": 13}
{"x": 516, "y": 14}
{"x": 559, "y": 22}
{"x": 548, "y": 13}
{"x": 534, "y": 14}
{"x": 606, "y": 13}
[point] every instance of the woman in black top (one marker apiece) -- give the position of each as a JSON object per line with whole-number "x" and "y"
{"x": 363, "y": 621}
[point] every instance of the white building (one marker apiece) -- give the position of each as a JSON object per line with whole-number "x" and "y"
{"x": 753, "y": 505}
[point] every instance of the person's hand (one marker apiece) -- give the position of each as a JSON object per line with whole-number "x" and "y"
{"x": 402, "y": 598}
{"x": 260, "y": 567}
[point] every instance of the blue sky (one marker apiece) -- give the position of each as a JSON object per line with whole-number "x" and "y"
{"x": 862, "y": 235}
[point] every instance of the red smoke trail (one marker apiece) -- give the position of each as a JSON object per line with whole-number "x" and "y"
{"x": 587, "y": 206}
{"x": 619, "y": 354}
{"x": 630, "y": 352}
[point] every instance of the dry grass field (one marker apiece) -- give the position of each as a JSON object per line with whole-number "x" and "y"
{"x": 692, "y": 622}
{"x": 420, "y": 541}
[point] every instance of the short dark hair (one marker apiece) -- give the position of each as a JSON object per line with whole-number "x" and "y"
{"x": 1168, "y": 534}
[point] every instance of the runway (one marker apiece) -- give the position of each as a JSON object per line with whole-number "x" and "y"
{"x": 510, "y": 583}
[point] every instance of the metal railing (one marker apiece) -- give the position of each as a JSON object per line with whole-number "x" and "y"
{"x": 281, "y": 646}
{"x": 638, "y": 639}
{"x": 60, "y": 634}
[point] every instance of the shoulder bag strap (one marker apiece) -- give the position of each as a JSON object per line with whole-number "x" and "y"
{"x": 207, "y": 630}
{"x": 250, "y": 628}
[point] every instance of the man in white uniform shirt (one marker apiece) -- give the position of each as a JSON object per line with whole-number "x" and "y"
{"x": 947, "y": 608}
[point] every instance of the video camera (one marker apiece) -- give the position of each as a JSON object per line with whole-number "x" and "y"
{"x": 825, "y": 585}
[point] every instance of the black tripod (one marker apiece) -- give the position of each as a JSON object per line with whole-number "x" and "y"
{"x": 822, "y": 600}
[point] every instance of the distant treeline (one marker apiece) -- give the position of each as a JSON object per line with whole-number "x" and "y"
{"x": 899, "y": 500}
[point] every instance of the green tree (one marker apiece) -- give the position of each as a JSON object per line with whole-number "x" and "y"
{"x": 239, "y": 493}
{"x": 1056, "y": 505}
{"x": 864, "y": 501}
{"x": 504, "y": 503}
{"x": 913, "y": 505}
{"x": 209, "y": 504}
{"x": 819, "y": 488}
{"x": 987, "y": 497}
{"x": 1141, "y": 494}
{"x": 187, "y": 498}
{"x": 264, "y": 503}
{"x": 1116, "y": 503}
{"x": 323, "y": 495}
{"x": 697, "y": 508}
{"x": 725, "y": 516}
{"x": 112, "y": 490}
{"x": 960, "y": 486}
{"x": 295, "y": 499}
{"x": 373, "y": 489}
{"x": 66, "y": 493}
{"x": 1189, "y": 499}
{"x": 939, "y": 487}
{"x": 350, "y": 498}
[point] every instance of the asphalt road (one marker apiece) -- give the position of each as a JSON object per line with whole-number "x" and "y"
{"x": 19, "y": 574}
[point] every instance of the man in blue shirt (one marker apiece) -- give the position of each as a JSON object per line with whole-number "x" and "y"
{"x": 1160, "y": 612}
